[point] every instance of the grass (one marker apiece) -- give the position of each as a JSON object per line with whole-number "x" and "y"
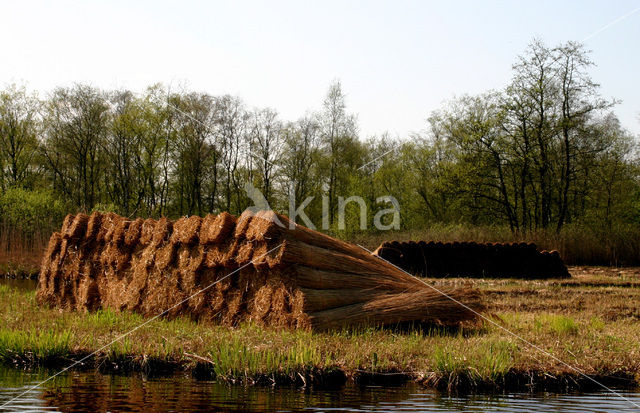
{"x": 488, "y": 362}
{"x": 233, "y": 359}
{"x": 589, "y": 321}
{"x": 34, "y": 345}
{"x": 558, "y": 324}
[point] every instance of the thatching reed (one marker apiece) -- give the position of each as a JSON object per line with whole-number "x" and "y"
{"x": 475, "y": 260}
{"x": 282, "y": 275}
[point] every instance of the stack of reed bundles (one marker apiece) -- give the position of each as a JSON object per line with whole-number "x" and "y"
{"x": 259, "y": 267}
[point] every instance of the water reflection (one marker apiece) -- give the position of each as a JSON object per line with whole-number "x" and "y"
{"x": 90, "y": 391}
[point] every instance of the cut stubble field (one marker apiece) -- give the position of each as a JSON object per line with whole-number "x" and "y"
{"x": 589, "y": 322}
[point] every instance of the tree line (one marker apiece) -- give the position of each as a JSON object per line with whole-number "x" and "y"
{"x": 541, "y": 153}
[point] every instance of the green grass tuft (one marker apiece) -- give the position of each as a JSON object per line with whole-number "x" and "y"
{"x": 559, "y": 324}
{"x": 36, "y": 345}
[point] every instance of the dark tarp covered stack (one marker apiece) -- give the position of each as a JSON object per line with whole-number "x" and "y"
{"x": 471, "y": 259}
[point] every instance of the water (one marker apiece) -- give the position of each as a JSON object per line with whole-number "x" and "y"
{"x": 91, "y": 391}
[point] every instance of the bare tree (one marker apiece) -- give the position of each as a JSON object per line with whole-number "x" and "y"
{"x": 231, "y": 121}
{"x": 338, "y": 128}
{"x": 77, "y": 121}
{"x": 301, "y": 153}
{"x": 265, "y": 149}
{"x": 19, "y": 126}
{"x": 196, "y": 154}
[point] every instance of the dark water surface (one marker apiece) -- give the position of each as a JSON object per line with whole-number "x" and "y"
{"x": 90, "y": 391}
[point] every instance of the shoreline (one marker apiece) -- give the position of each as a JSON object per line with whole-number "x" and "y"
{"x": 589, "y": 321}
{"x": 513, "y": 381}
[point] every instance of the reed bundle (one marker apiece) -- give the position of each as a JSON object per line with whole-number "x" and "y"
{"x": 281, "y": 273}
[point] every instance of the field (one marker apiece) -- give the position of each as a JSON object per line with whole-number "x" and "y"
{"x": 589, "y": 321}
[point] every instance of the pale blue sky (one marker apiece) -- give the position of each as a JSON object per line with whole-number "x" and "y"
{"x": 397, "y": 60}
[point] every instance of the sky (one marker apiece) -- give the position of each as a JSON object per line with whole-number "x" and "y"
{"x": 397, "y": 60}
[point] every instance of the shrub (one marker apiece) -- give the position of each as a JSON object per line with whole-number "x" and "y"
{"x": 28, "y": 211}
{"x": 27, "y": 219}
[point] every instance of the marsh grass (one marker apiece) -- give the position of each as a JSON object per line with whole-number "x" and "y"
{"x": 596, "y": 324}
{"x": 593, "y": 328}
{"x": 232, "y": 359}
{"x": 559, "y": 324}
{"x": 489, "y": 361}
{"x": 34, "y": 345}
